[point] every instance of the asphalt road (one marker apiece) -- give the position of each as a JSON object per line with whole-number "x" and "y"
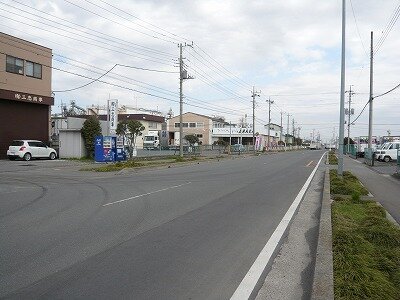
{"x": 187, "y": 232}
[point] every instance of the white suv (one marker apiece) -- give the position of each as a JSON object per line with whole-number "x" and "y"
{"x": 28, "y": 149}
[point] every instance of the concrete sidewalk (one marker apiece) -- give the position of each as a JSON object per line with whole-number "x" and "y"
{"x": 383, "y": 187}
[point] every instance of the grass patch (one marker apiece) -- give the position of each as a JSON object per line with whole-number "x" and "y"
{"x": 346, "y": 185}
{"x": 113, "y": 167}
{"x": 142, "y": 162}
{"x": 366, "y": 252}
{"x": 333, "y": 160}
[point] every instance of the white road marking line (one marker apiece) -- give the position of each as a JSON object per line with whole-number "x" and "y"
{"x": 310, "y": 163}
{"x": 250, "y": 281}
{"x": 138, "y": 196}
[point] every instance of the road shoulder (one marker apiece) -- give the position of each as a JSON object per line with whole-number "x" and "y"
{"x": 291, "y": 275}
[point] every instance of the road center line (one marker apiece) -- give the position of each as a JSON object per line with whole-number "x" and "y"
{"x": 310, "y": 163}
{"x": 142, "y": 195}
{"x": 247, "y": 288}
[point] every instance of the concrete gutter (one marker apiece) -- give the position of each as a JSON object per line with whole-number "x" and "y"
{"x": 323, "y": 273}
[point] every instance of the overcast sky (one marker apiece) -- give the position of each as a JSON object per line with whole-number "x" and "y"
{"x": 289, "y": 50}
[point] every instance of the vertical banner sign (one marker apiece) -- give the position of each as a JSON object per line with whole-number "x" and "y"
{"x": 112, "y": 117}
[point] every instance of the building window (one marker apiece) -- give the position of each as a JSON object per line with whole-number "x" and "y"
{"x": 199, "y": 124}
{"x": 14, "y": 65}
{"x": 183, "y": 125}
{"x": 153, "y": 125}
{"x": 33, "y": 69}
{"x": 200, "y": 136}
{"x": 192, "y": 125}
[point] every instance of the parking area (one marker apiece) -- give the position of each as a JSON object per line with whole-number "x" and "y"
{"x": 21, "y": 165}
{"x": 388, "y": 168}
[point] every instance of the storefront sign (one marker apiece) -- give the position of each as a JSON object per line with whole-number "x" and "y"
{"x": 26, "y": 97}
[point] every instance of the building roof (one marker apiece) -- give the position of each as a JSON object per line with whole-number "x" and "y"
{"x": 137, "y": 117}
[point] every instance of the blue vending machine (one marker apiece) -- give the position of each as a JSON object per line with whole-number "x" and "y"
{"x": 105, "y": 149}
{"x": 120, "y": 151}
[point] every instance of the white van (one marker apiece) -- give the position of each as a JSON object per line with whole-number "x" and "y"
{"x": 378, "y": 151}
{"x": 390, "y": 153}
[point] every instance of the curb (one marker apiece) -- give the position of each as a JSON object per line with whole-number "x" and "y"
{"x": 323, "y": 274}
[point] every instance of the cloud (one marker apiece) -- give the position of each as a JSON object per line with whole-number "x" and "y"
{"x": 281, "y": 47}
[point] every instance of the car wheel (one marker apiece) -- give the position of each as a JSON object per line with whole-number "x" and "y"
{"x": 386, "y": 158}
{"x": 27, "y": 156}
{"x": 52, "y": 156}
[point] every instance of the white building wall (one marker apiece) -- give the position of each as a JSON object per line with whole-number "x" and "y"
{"x": 71, "y": 144}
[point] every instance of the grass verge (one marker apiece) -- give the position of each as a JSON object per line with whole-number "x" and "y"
{"x": 346, "y": 185}
{"x": 333, "y": 158}
{"x": 366, "y": 250}
{"x": 118, "y": 166}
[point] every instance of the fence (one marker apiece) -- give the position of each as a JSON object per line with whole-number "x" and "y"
{"x": 209, "y": 150}
{"x": 369, "y": 156}
{"x": 350, "y": 149}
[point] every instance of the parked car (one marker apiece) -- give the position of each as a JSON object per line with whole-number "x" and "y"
{"x": 390, "y": 153}
{"x": 379, "y": 149}
{"x": 238, "y": 148}
{"x": 28, "y": 149}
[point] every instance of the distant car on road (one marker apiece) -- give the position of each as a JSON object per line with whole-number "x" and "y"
{"x": 28, "y": 149}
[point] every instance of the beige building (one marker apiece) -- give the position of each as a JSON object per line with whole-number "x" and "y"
{"x": 25, "y": 91}
{"x": 199, "y": 125}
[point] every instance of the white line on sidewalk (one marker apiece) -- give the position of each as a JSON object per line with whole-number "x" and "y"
{"x": 250, "y": 281}
{"x": 142, "y": 195}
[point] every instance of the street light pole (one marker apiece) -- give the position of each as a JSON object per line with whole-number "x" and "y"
{"x": 342, "y": 82}
{"x": 269, "y": 122}
{"x": 254, "y": 94}
{"x": 371, "y": 82}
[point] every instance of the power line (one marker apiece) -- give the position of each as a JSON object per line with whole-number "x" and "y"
{"x": 216, "y": 107}
{"x": 388, "y": 28}
{"x": 239, "y": 80}
{"x": 156, "y": 60}
{"x": 140, "y": 55}
{"x": 389, "y": 91}
{"x": 109, "y": 37}
{"x": 116, "y": 22}
{"x": 176, "y": 37}
{"x": 358, "y": 31}
{"x": 85, "y": 85}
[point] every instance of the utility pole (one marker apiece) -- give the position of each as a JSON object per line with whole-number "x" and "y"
{"x": 254, "y": 94}
{"x": 342, "y": 82}
{"x": 298, "y": 134}
{"x": 230, "y": 137}
{"x": 281, "y": 139}
{"x": 351, "y": 93}
{"x": 180, "y": 102}
{"x": 182, "y": 76}
{"x": 371, "y": 98}
{"x": 287, "y": 129}
{"x": 269, "y": 122}
{"x": 293, "y": 130}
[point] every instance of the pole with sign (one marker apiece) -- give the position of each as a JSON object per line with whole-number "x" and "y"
{"x": 112, "y": 116}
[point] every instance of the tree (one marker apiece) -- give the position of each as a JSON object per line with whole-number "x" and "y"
{"x": 130, "y": 130}
{"x": 192, "y": 139}
{"x": 345, "y": 141}
{"x": 90, "y": 129}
